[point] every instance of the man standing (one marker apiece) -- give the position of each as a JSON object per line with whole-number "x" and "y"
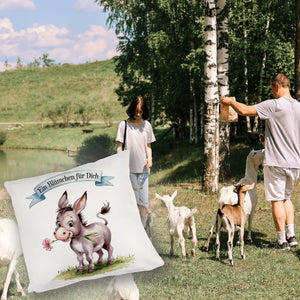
{"x": 282, "y": 153}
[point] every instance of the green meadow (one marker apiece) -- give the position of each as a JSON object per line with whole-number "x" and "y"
{"x": 264, "y": 274}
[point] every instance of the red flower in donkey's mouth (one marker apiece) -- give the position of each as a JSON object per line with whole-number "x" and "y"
{"x": 47, "y": 244}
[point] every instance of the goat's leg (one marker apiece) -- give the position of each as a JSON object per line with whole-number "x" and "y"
{"x": 19, "y": 286}
{"x": 242, "y": 229}
{"x": 182, "y": 244}
{"x": 206, "y": 245}
{"x": 172, "y": 244}
{"x": 194, "y": 237}
{"x": 10, "y": 270}
{"x": 250, "y": 219}
{"x": 149, "y": 225}
{"x": 218, "y": 229}
{"x": 230, "y": 244}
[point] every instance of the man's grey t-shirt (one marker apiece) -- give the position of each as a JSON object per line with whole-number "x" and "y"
{"x": 282, "y": 131}
{"x": 137, "y": 138}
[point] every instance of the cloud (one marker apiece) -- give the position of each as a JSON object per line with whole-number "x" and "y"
{"x": 63, "y": 46}
{"x": 87, "y": 6}
{"x": 16, "y": 5}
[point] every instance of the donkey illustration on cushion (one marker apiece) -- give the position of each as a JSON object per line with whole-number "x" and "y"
{"x": 83, "y": 238}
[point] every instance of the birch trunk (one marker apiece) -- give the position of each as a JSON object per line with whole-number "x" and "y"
{"x": 211, "y": 125}
{"x": 262, "y": 71}
{"x": 223, "y": 83}
{"x": 248, "y": 123}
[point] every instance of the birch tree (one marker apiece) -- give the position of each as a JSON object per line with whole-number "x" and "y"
{"x": 211, "y": 124}
{"x": 223, "y": 84}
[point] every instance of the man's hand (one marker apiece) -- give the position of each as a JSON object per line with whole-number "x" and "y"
{"x": 227, "y": 100}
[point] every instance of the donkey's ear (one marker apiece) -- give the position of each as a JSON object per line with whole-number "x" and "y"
{"x": 63, "y": 201}
{"x": 80, "y": 203}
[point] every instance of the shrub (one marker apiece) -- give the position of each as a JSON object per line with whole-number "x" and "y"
{"x": 94, "y": 148}
{"x": 2, "y": 137}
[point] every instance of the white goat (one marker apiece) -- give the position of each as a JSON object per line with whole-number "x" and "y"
{"x": 147, "y": 219}
{"x": 123, "y": 287}
{"x": 227, "y": 196}
{"x": 231, "y": 217}
{"x": 181, "y": 221}
{"x": 10, "y": 250}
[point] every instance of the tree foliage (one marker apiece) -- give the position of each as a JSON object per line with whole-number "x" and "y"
{"x": 161, "y": 46}
{"x": 162, "y": 51}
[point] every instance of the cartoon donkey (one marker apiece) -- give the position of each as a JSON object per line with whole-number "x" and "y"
{"x": 83, "y": 238}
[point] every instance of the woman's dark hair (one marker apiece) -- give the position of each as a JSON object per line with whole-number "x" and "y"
{"x": 134, "y": 103}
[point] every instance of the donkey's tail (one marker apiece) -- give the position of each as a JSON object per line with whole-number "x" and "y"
{"x": 104, "y": 210}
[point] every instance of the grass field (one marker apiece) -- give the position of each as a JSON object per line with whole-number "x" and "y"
{"x": 27, "y": 95}
{"x": 264, "y": 274}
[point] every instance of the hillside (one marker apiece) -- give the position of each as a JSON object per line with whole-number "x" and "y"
{"x": 27, "y": 95}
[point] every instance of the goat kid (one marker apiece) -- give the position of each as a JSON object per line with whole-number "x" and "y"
{"x": 231, "y": 217}
{"x": 181, "y": 221}
{"x": 227, "y": 196}
{"x": 147, "y": 219}
{"x": 10, "y": 251}
{"x": 123, "y": 287}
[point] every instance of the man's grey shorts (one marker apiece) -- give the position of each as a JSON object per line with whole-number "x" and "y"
{"x": 279, "y": 182}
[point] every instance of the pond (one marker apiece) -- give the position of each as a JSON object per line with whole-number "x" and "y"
{"x": 20, "y": 163}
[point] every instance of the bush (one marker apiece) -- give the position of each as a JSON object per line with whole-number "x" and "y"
{"x": 95, "y": 147}
{"x": 2, "y": 137}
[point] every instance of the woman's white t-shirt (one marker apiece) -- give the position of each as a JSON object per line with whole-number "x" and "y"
{"x": 137, "y": 138}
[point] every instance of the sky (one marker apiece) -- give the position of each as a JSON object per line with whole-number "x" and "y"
{"x": 69, "y": 31}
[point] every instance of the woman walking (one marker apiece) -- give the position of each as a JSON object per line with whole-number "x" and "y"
{"x": 136, "y": 135}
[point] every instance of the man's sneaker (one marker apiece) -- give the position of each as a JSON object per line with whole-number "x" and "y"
{"x": 292, "y": 241}
{"x": 276, "y": 245}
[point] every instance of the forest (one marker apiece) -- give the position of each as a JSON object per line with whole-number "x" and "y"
{"x": 162, "y": 53}
{"x": 183, "y": 56}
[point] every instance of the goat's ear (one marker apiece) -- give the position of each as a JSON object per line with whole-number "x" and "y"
{"x": 174, "y": 194}
{"x": 249, "y": 186}
{"x": 63, "y": 201}
{"x": 80, "y": 203}
{"x": 158, "y": 196}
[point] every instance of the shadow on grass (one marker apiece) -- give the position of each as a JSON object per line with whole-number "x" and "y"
{"x": 169, "y": 256}
{"x": 183, "y": 162}
{"x": 186, "y": 173}
{"x": 257, "y": 241}
{"x": 298, "y": 253}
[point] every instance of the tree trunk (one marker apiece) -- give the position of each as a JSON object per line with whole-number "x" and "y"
{"x": 297, "y": 51}
{"x": 223, "y": 83}
{"x": 210, "y": 176}
{"x": 248, "y": 123}
{"x": 262, "y": 71}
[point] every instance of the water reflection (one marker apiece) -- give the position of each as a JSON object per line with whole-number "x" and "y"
{"x": 18, "y": 164}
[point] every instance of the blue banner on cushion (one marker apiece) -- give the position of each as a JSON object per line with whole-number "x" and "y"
{"x": 66, "y": 178}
